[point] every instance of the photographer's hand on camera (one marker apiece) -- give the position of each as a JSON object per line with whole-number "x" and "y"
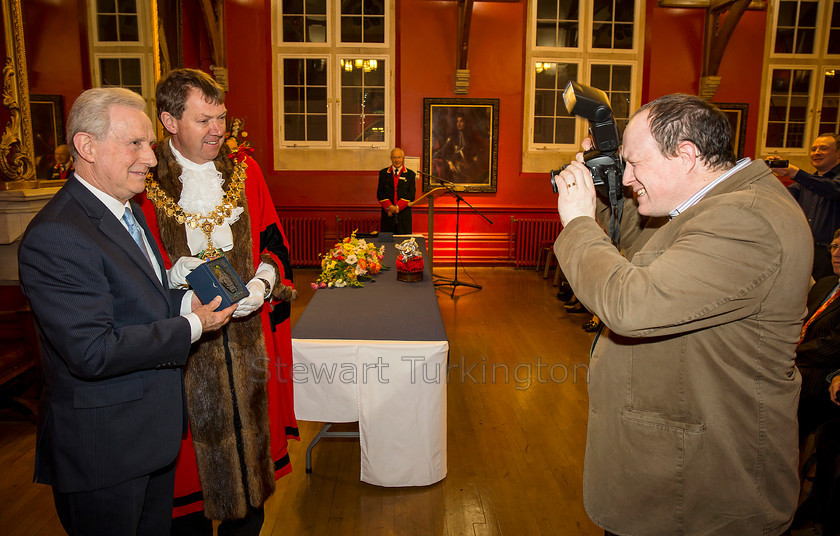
{"x": 578, "y": 197}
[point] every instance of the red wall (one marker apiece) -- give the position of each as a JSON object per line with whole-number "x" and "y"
{"x": 425, "y": 67}
{"x": 675, "y": 45}
{"x": 56, "y": 48}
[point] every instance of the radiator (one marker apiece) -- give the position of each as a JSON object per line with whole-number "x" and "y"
{"x": 306, "y": 239}
{"x": 353, "y": 223}
{"x": 531, "y": 235}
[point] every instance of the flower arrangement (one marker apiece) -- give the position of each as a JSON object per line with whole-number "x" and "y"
{"x": 349, "y": 263}
{"x": 238, "y": 150}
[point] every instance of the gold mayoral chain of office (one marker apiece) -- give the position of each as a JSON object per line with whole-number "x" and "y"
{"x": 196, "y": 220}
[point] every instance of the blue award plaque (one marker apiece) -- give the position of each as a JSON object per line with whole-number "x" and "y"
{"x": 217, "y": 278}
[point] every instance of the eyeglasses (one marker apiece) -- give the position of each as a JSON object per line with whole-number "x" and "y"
{"x": 832, "y": 247}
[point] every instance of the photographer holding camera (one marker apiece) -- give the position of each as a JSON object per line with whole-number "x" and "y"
{"x": 818, "y": 195}
{"x": 693, "y": 389}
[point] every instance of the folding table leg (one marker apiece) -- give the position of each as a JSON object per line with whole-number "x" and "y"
{"x": 324, "y": 433}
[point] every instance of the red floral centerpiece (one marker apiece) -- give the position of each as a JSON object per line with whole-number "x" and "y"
{"x": 409, "y": 261}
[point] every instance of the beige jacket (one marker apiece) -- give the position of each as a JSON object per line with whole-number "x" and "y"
{"x": 693, "y": 390}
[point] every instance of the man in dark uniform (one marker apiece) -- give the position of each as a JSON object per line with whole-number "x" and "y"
{"x": 63, "y": 167}
{"x": 395, "y": 192}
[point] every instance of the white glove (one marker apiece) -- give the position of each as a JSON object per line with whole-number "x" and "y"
{"x": 253, "y": 301}
{"x": 177, "y": 275}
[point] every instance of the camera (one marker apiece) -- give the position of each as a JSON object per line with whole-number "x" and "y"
{"x": 776, "y": 163}
{"x": 603, "y": 160}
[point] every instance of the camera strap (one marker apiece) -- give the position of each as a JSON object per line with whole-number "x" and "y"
{"x": 616, "y": 206}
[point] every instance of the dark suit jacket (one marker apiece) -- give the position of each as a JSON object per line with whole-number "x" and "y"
{"x": 405, "y": 190}
{"x": 818, "y": 354}
{"x": 111, "y": 340}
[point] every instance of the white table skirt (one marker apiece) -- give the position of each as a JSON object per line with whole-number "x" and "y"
{"x": 396, "y": 390}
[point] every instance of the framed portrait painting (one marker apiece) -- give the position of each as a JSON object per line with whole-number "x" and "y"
{"x": 460, "y": 143}
{"x": 737, "y": 115}
{"x": 47, "y": 130}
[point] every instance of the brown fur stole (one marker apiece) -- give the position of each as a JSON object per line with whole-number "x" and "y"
{"x": 216, "y": 392}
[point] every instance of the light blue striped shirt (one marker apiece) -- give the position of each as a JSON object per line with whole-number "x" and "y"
{"x": 694, "y": 199}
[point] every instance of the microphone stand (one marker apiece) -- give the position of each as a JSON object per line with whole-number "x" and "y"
{"x": 443, "y": 281}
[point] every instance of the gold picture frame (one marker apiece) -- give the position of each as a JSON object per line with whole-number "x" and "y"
{"x": 460, "y": 143}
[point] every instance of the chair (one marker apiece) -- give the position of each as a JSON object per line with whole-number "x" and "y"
{"x": 545, "y": 247}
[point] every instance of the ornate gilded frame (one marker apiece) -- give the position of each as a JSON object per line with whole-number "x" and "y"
{"x": 17, "y": 165}
{"x": 469, "y": 165}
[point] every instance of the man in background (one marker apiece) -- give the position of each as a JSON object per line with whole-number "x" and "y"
{"x": 819, "y": 196}
{"x": 818, "y": 353}
{"x": 693, "y": 388}
{"x": 113, "y": 340}
{"x": 63, "y": 167}
{"x": 395, "y": 191}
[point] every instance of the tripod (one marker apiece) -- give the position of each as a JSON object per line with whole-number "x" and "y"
{"x": 442, "y": 281}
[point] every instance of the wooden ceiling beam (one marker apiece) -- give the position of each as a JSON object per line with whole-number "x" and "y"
{"x": 717, "y": 34}
{"x": 465, "y": 9}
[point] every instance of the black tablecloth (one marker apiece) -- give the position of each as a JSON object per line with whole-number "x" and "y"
{"x": 384, "y": 309}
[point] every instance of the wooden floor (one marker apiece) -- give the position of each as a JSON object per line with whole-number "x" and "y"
{"x": 516, "y": 425}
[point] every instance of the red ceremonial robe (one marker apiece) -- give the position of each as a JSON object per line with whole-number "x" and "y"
{"x": 264, "y": 229}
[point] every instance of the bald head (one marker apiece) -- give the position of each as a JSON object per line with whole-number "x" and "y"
{"x": 62, "y": 155}
{"x": 397, "y": 157}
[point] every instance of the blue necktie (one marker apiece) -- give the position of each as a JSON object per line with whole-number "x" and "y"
{"x": 136, "y": 233}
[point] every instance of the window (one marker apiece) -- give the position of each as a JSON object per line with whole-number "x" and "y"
{"x": 117, "y": 21}
{"x": 121, "y": 71}
{"x": 332, "y": 83}
{"x": 122, "y": 48}
{"x": 594, "y": 43}
{"x": 802, "y": 92}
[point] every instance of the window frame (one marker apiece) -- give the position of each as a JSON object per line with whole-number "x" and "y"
{"x": 282, "y": 141}
{"x": 541, "y": 157}
{"x": 144, "y": 32}
{"x": 818, "y": 63}
{"x": 333, "y": 154}
{"x": 809, "y": 120}
{"x": 819, "y": 36}
{"x": 337, "y": 99}
{"x": 145, "y": 49}
{"x": 389, "y": 14}
{"x": 145, "y": 82}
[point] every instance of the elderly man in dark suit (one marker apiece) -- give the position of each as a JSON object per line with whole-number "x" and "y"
{"x": 113, "y": 336}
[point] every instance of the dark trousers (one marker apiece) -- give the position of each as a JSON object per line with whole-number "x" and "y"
{"x": 399, "y": 224}
{"x": 139, "y": 507}
{"x": 815, "y": 406}
{"x": 826, "y": 490}
{"x": 822, "y": 262}
{"x": 197, "y": 525}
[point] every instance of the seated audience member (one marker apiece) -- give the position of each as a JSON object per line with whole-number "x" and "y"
{"x": 818, "y": 352}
